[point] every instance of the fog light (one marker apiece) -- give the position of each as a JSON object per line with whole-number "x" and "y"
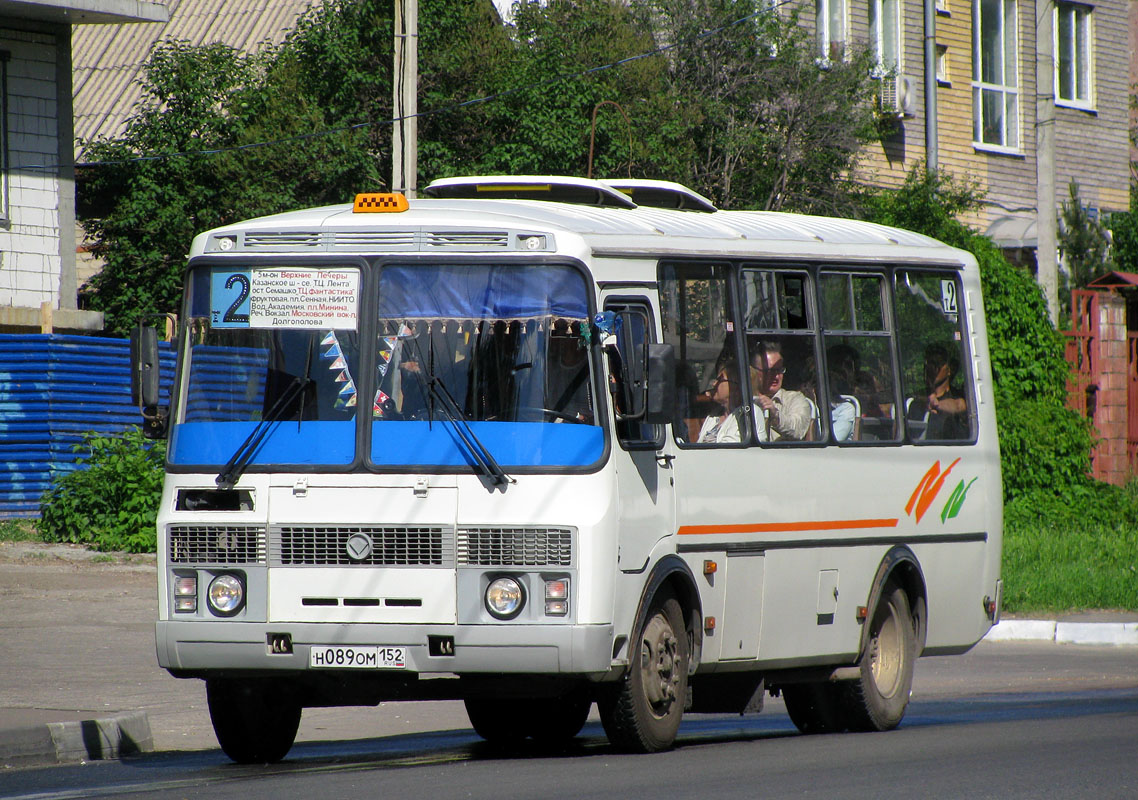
{"x": 186, "y": 593}
{"x": 505, "y": 598}
{"x": 226, "y": 595}
{"x": 556, "y": 608}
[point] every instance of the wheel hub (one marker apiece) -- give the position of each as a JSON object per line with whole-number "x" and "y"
{"x": 659, "y": 654}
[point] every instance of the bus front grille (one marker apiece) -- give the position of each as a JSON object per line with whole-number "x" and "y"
{"x": 358, "y": 545}
{"x": 230, "y": 545}
{"x": 515, "y": 547}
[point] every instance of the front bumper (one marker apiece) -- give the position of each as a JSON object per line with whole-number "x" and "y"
{"x": 203, "y": 648}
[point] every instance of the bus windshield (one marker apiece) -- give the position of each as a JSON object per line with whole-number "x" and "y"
{"x": 466, "y": 365}
{"x": 271, "y": 359}
{"x": 509, "y": 344}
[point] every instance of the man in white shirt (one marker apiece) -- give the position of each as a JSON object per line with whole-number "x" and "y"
{"x": 779, "y": 413}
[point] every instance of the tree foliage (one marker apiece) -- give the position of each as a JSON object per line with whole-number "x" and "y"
{"x": 744, "y": 114}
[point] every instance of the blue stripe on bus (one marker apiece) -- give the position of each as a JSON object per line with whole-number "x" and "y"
{"x": 512, "y": 444}
{"x": 312, "y": 442}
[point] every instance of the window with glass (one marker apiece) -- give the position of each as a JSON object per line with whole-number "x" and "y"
{"x": 885, "y": 36}
{"x": 782, "y": 358}
{"x": 711, "y": 395}
{"x": 1073, "y": 68}
{"x": 485, "y": 363}
{"x": 270, "y": 367}
{"x": 632, "y": 323}
{"x": 830, "y": 24}
{"x": 857, "y": 336}
{"x": 995, "y": 81}
{"x": 935, "y": 382}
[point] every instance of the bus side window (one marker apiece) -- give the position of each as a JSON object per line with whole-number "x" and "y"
{"x": 712, "y": 387}
{"x": 860, "y": 369}
{"x": 782, "y": 343}
{"x": 934, "y": 380}
{"x": 633, "y": 434}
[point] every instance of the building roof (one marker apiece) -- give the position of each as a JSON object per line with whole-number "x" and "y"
{"x": 77, "y": 12}
{"x": 108, "y": 59}
{"x": 1115, "y": 280}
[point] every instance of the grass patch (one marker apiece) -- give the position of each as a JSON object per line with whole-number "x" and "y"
{"x": 1071, "y": 552}
{"x": 19, "y": 530}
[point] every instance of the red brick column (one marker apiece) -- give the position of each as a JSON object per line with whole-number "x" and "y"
{"x": 1109, "y": 459}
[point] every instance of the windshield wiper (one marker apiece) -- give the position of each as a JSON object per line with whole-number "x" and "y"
{"x": 241, "y": 457}
{"x": 469, "y": 438}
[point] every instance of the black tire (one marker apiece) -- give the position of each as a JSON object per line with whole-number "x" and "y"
{"x": 815, "y": 707}
{"x": 559, "y": 719}
{"x": 877, "y": 700}
{"x": 507, "y": 721}
{"x": 255, "y": 721}
{"x": 642, "y": 712}
{"x": 500, "y": 721}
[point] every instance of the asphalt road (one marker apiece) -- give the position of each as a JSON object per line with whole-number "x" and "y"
{"x": 1006, "y": 720}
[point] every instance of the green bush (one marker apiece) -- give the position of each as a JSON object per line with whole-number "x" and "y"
{"x": 111, "y": 503}
{"x": 1076, "y": 548}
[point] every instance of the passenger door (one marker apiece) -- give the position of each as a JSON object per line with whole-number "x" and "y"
{"x": 644, "y": 470}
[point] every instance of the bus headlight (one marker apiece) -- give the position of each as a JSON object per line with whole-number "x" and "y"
{"x": 226, "y": 595}
{"x": 505, "y": 598}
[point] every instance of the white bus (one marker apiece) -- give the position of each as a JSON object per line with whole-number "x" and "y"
{"x": 537, "y": 442}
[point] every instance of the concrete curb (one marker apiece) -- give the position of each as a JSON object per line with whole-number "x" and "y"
{"x": 1101, "y": 633}
{"x": 82, "y": 740}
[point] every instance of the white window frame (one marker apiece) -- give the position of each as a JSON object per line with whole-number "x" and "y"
{"x": 1074, "y": 50}
{"x": 885, "y": 29}
{"x": 995, "y": 100}
{"x": 830, "y": 19}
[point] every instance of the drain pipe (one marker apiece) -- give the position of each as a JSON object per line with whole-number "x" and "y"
{"x": 931, "y": 154}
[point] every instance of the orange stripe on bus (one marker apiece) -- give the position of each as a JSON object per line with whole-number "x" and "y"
{"x": 777, "y": 527}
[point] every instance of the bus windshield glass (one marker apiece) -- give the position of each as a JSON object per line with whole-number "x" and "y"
{"x": 271, "y": 360}
{"x": 509, "y": 344}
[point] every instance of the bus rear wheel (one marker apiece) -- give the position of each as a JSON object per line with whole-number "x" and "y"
{"x": 877, "y": 700}
{"x": 255, "y": 721}
{"x": 642, "y": 712}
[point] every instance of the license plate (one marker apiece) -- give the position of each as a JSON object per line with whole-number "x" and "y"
{"x": 355, "y": 657}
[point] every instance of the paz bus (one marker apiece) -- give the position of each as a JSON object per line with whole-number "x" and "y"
{"x": 537, "y": 443}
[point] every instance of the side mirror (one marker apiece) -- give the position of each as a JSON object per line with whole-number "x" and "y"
{"x": 661, "y": 397}
{"x": 145, "y": 375}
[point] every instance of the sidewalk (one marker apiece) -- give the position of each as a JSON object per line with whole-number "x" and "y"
{"x": 79, "y": 679}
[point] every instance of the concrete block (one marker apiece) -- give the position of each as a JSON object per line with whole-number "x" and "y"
{"x": 100, "y": 739}
{"x": 1113, "y": 633}
{"x": 1022, "y": 630}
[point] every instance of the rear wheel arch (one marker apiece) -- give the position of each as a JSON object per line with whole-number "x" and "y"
{"x": 900, "y": 567}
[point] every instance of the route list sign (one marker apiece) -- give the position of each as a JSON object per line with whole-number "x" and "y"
{"x": 284, "y": 298}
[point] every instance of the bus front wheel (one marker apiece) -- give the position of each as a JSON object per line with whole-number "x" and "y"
{"x": 642, "y": 712}
{"x": 255, "y": 721}
{"x": 877, "y": 700}
{"x": 815, "y": 707}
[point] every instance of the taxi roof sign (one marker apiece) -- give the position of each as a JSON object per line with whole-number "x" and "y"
{"x": 380, "y": 203}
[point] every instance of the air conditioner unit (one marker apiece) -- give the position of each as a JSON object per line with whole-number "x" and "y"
{"x": 895, "y": 96}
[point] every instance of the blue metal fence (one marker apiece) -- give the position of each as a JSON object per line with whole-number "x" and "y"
{"x": 53, "y": 390}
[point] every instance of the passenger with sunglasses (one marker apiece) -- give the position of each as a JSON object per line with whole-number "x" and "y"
{"x": 779, "y": 413}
